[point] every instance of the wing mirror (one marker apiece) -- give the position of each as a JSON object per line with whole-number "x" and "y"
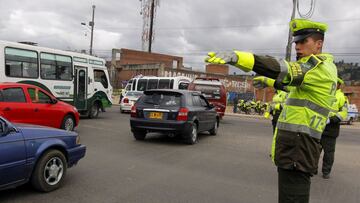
{"x": 5, "y": 128}
{"x": 211, "y": 106}
{"x": 54, "y": 101}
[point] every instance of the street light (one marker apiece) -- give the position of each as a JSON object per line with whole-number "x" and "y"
{"x": 91, "y": 27}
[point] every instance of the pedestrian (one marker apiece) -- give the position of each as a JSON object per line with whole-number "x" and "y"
{"x": 332, "y": 130}
{"x": 296, "y": 144}
{"x": 235, "y": 101}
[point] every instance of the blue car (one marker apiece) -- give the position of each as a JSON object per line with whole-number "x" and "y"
{"x": 36, "y": 154}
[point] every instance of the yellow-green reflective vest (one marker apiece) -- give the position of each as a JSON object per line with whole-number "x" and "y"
{"x": 340, "y": 106}
{"x": 308, "y": 105}
{"x": 278, "y": 100}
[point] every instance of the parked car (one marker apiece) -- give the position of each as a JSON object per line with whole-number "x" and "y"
{"x": 176, "y": 112}
{"x": 23, "y": 103}
{"x": 36, "y": 154}
{"x": 129, "y": 100}
{"x": 213, "y": 90}
{"x": 353, "y": 114}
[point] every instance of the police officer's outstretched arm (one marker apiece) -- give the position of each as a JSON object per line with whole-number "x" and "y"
{"x": 281, "y": 71}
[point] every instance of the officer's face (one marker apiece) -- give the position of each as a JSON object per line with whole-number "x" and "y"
{"x": 308, "y": 46}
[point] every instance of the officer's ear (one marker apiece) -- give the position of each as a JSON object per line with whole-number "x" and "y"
{"x": 319, "y": 43}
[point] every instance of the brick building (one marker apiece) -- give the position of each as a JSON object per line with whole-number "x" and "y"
{"x": 131, "y": 63}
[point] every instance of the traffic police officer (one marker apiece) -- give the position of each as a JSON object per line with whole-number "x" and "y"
{"x": 332, "y": 129}
{"x": 296, "y": 145}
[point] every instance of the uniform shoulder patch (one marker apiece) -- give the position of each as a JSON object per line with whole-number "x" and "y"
{"x": 322, "y": 58}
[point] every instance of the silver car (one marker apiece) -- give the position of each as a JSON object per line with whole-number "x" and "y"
{"x": 129, "y": 100}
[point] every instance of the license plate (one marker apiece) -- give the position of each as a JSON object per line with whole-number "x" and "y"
{"x": 156, "y": 115}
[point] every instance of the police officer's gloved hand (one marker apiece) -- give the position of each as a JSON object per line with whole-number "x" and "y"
{"x": 262, "y": 82}
{"x": 242, "y": 60}
{"x": 334, "y": 120}
{"x": 222, "y": 58}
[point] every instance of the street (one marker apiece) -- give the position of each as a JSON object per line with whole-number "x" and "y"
{"x": 233, "y": 166}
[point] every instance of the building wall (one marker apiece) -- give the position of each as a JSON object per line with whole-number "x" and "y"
{"x": 219, "y": 69}
{"x": 128, "y": 56}
{"x": 353, "y": 94}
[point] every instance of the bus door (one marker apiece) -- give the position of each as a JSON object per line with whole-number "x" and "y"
{"x": 80, "y": 87}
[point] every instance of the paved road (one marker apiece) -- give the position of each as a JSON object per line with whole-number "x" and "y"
{"x": 233, "y": 166}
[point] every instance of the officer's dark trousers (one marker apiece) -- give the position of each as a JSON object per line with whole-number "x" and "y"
{"x": 328, "y": 142}
{"x": 294, "y": 186}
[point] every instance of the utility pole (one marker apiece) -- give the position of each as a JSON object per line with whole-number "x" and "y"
{"x": 151, "y": 24}
{"x": 288, "y": 47}
{"x": 91, "y": 24}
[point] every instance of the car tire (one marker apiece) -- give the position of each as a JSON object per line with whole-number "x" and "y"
{"x": 350, "y": 121}
{"x": 68, "y": 123}
{"x": 214, "y": 130}
{"x": 50, "y": 171}
{"x": 139, "y": 134}
{"x": 94, "y": 111}
{"x": 192, "y": 136}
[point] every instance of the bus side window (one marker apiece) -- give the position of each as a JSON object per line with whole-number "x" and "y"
{"x": 142, "y": 85}
{"x": 21, "y": 63}
{"x": 153, "y": 84}
{"x": 55, "y": 67}
{"x": 164, "y": 83}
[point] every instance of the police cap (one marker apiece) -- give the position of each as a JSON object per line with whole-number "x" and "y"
{"x": 303, "y": 28}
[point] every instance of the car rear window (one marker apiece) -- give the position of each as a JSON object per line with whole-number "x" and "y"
{"x": 162, "y": 99}
{"x": 209, "y": 91}
{"x": 135, "y": 94}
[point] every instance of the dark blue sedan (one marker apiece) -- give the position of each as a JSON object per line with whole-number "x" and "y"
{"x": 36, "y": 154}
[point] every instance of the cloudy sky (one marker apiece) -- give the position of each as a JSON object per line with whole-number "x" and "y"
{"x": 187, "y": 28}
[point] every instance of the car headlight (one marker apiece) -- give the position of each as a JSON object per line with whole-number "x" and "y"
{"x": 75, "y": 109}
{"x": 78, "y": 140}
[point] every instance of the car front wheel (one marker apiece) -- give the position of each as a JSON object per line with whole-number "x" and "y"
{"x": 68, "y": 123}
{"x": 49, "y": 171}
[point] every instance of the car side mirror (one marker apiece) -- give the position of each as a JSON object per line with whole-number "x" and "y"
{"x": 211, "y": 106}
{"x": 5, "y": 129}
{"x": 54, "y": 101}
{"x": 2, "y": 128}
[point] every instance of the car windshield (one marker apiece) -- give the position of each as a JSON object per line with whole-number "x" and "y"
{"x": 163, "y": 100}
{"x": 209, "y": 91}
{"x": 134, "y": 94}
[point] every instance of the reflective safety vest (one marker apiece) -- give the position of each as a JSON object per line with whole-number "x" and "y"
{"x": 278, "y": 101}
{"x": 340, "y": 106}
{"x": 308, "y": 105}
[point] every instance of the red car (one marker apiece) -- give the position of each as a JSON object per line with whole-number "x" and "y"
{"x": 23, "y": 103}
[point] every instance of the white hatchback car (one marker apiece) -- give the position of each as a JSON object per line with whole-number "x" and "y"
{"x": 129, "y": 100}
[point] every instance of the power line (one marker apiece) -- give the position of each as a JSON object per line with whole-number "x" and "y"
{"x": 229, "y": 26}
